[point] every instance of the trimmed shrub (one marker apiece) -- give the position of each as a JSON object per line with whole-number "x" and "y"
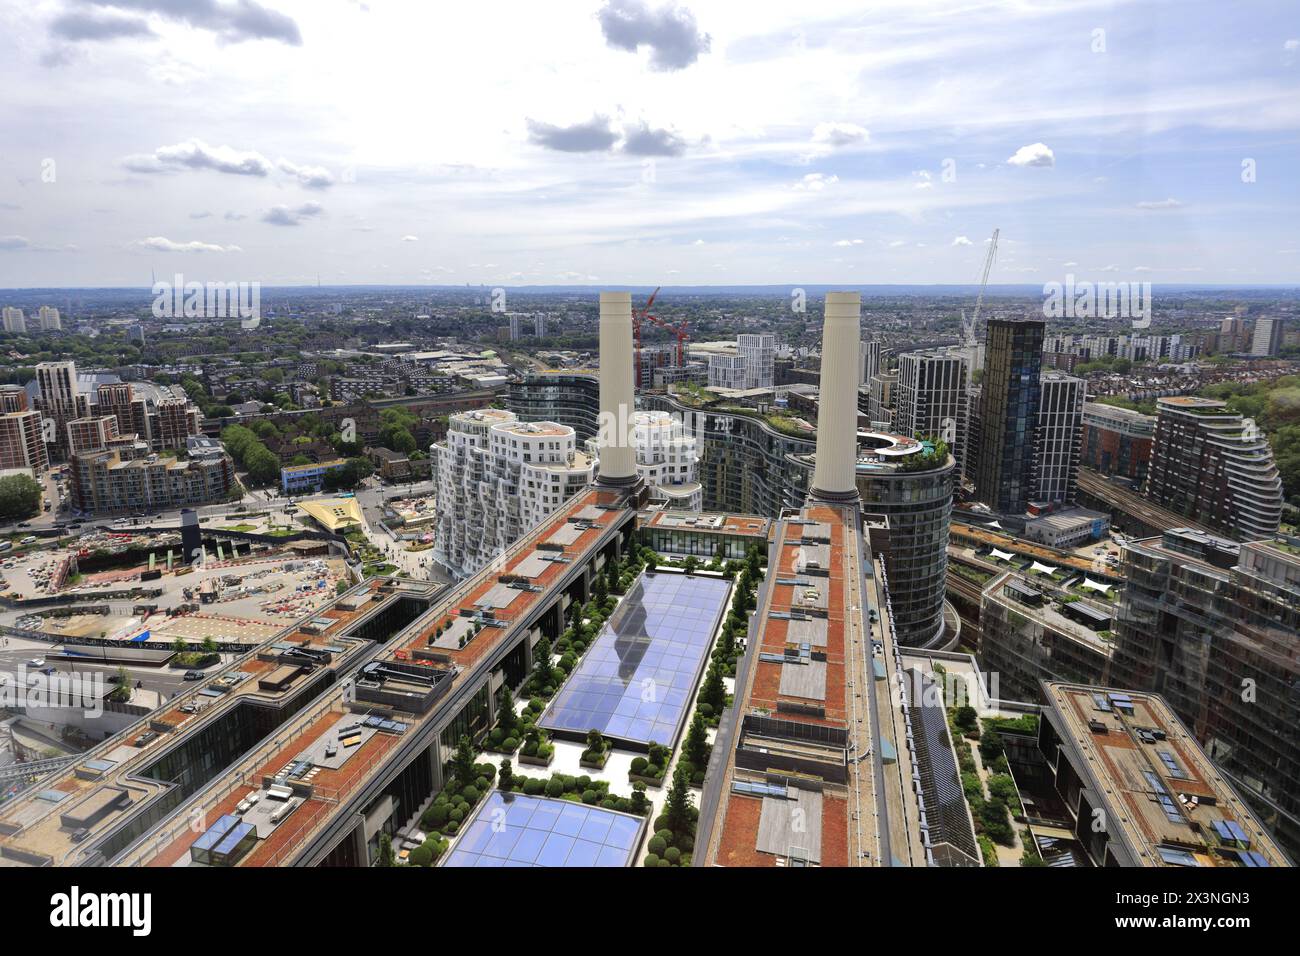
{"x": 657, "y": 845}
{"x": 651, "y": 860}
{"x": 532, "y": 786}
{"x": 673, "y": 855}
{"x": 554, "y": 787}
{"x": 422, "y": 855}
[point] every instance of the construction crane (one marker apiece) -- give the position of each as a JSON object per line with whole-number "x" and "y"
{"x": 678, "y": 330}
{"x": 968, "y": 328}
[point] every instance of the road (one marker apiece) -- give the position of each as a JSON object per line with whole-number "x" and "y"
{"x": 16, "y": 652}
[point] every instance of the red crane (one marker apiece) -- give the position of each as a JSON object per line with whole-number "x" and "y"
{"x": 678, "y": 330}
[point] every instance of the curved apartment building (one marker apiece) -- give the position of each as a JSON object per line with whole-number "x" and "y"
{"x": 746, "y": 465}
{"x": 667, "y": 460}
{"x": 497, "y": 478}
{"x": 1208, "y": 464}
{"x": 906, "y": 481}
{"x": 569, "y": 397}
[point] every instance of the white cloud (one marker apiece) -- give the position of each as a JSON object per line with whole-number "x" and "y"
{"x": 1160, "y": 204}
{"x": 163, "y": 244}
{"x": 410, "y": 238}
{"x": 839, "y": 134}
{"x": 961, "y": 241}
{"x": 815, "y": 182}
{"x": 311, "y": 177}
{"x": 292, "y": 216}
{"x": 196, "y": 154}
{"x": 669, "y": 31}
{"x": 1035, "y": 154}
{"x": 849, "y": 242}
{"x": 1291, "y": 45}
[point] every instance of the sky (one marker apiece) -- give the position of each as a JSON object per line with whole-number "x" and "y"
{"x": 641, "y": 142}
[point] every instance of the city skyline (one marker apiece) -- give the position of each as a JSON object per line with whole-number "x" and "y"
{"x": 704, "y": 145}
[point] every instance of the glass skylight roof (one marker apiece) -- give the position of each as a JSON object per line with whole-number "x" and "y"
{"x": 635, "y": 682}
{"x": 516, "y": 830}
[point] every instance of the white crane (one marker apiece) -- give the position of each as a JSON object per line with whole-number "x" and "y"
{"x": 968, "y": 328}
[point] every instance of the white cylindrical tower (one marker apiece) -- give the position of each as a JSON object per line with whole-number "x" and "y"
{"x": 837, "y": 413}
{"x": 614, "y": 439}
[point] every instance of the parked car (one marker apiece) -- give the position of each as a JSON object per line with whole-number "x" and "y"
{"x": 194, "y": 675}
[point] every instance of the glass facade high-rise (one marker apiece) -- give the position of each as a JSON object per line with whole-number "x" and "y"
{"x": 1058, "y": 442}
{"x": 911, "y": 486}
{"x": 570, "y": 398}
{"x": 930, "y": 401}
{"x": 1211, "y": 625}
{"x": 1004, "y": 476}
{"x": 1211, "y": 465}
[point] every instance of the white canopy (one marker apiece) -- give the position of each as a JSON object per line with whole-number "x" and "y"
{"x": 1005, "y": 556}
{"x": 1090, "y": 583}
{"x": 1042, "y": 568}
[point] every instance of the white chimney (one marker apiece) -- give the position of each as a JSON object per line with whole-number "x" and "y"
{"x": 837, "y": 412}
{"x": 614, "y": 440}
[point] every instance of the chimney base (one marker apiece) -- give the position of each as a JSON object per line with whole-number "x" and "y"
{"x": 633, "y": 488}
{"x": 834, "y": 497}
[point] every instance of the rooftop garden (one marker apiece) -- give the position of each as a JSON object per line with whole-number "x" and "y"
{"x": 933, "y": 454}
{"x": 674, "y": 837}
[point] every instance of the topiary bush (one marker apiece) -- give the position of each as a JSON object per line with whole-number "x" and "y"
{"x": 422, "y": 855}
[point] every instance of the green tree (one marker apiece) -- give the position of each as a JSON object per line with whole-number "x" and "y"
{"x": 506, "y": 717}
{"x": 714, "y": 691}
{"x": 542, "y": 662}
{"x": 990, "y": 744}
{"x": 966, "y": 718}
{"x": 463, "y": 762}
{"x": 386, "y": 857}
{"x": 20, "y": 497}
{"x": 678, "y": 806}
{"x": 697, "y": 744}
